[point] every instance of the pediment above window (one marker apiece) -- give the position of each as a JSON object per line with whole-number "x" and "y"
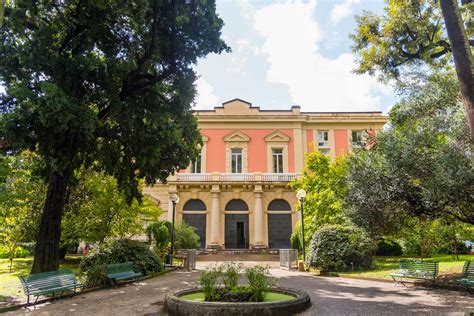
{"x": 236, "y": 136}
{"x": 277, "y": 136}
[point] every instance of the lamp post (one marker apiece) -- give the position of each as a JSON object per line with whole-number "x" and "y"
{"x": 300, "y": 195}
{"x": 175, "y": 199}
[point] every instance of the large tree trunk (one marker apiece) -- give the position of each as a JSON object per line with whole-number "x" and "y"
{"x": 49, "y": 235}
{"x": 462, "y": 57}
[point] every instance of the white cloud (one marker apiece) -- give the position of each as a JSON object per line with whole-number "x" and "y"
{"x": 205, "y": 97}
{"x": 314, "y": 81}
{"x": 342, "y": 10}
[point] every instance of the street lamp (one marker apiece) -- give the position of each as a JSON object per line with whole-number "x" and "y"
{"x": 300, "y": 195}
{"x": 175, "y": 199}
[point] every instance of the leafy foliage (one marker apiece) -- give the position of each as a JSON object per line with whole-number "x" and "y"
{"x": 231, "y": 274}
{"x": 160, "y": 233}
{"x": 21, "y": 199}
{"x": 118, "y": 251}
{"x": 260, "y": 282}
{"x": 108, "y": 84}
{"x": 325, "y": 185}
{"x": 340, "y": 248}
{"x": 185, "y": 237}
{"x": 296, "y": 238}
{"x": 422, "y": 165}
{"x": 388, "y": 248}
{"x": 208, "y": 280}
{"x": 408, "y": 35}
{"x": 18, "y": 252}
{"x": 97, "y": 210}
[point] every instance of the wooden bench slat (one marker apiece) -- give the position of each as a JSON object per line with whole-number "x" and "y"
{"x": 49, "y": 283}
{"x": 122, "y": 271}
{"x": 417, "y": 269}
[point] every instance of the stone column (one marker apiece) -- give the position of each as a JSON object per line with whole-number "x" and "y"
{"x": 258, "y": 219}
{"x": 215, "y": 225}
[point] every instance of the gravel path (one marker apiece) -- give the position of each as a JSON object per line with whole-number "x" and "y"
{"x": 329, "y": 296}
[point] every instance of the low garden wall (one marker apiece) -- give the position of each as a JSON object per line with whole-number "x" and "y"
{"x": 174, "y": 305}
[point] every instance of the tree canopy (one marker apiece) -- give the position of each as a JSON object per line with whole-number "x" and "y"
{"x": 324, "y": 182}
{"x": 97, "y": 210}
{"x": 408, "y": 34}
{"x": 421, "y": 165}
{"x": 106, "y": 84}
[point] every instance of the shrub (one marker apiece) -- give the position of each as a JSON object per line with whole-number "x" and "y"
{"x": 185, "y": 237}
{"x": 20, "y": 252}
{"x": 231, "y": 274}
{"x": 340, "y": 248}
{"x": 388, "y": 248}
{"x": 260, "y": 282}
{"x": 118, "y": 251}
{"x": 296, "y": 238}
{"x": 208, "y": 281}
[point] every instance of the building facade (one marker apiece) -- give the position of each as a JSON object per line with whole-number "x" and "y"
{"x": 236, "y": 193}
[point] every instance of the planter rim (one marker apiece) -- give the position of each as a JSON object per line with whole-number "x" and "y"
{"x": 300, "y": 297}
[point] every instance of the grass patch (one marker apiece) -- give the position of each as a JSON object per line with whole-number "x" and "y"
{"x": 11, "y": 291}
{"x": 448, "y": 267}
{"x": 270, "y": 297}
{"x": 275, "y": 297}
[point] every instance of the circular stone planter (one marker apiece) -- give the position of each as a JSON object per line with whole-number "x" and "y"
{"x": 174, "y": 305}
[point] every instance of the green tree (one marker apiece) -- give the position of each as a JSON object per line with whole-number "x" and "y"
{"x": 185, "y": 237}
{"x": 421, "y": 166}
{"x": 325, "y": 185}
{"x": 414, "y": 35}
{"x": 21, "y": 200}
{"x": 98, "y": 210}
{"x": 160, "y": 233}
{"x": 103, "y": 82}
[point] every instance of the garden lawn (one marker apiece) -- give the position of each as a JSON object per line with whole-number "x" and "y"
{"x": 11, "y": 291}
{"x": 384, "y": 265}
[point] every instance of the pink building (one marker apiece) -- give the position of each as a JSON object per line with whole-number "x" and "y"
{"x": 236, "y": 193}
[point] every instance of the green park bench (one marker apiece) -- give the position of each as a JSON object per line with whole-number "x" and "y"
{"x": 49, "y": 283}
{"x": 417, "y": 269}
{"x": 121, "y": 271}
{"x": 467, "y": 277}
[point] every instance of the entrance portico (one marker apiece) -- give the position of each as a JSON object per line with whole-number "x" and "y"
{"x": 235, "y": 212}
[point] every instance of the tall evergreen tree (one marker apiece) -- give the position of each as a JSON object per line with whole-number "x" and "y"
{"x": 107, "y": 84}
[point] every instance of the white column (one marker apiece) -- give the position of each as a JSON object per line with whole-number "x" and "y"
{"x": 215, "y": 218}
{"x": 258, "y": 219}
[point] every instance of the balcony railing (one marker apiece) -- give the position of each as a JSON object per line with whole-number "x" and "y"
{"x": 278, "y": 177}
{"x": 234, "y": 177}
{"x": 194, "y": 177}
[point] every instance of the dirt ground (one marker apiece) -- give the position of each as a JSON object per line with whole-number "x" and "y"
{"x": 329, "y": 296}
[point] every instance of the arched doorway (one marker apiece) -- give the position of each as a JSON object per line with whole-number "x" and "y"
{"x": 236, "y": 225}
{"x": 279, "y": 224}
{"x": 194, "y": 214}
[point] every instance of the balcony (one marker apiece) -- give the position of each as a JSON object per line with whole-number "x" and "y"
{"x": 233, "y": 177}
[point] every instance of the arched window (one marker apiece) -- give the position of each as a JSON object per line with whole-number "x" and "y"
{"x": 279, "y": 205}
{"x": 194, "y": 205}
{"x": 236, "y": 205}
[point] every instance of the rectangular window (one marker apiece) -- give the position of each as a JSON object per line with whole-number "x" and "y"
{"x": 277, "y": 154}
{"x": 358, "y": 139}
{"x": 196, "y": 165}
{"x": 236, "y": 160}
{"x": 323, "y": 139}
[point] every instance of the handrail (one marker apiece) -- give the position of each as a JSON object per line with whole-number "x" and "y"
{"x": 235, "y": 177}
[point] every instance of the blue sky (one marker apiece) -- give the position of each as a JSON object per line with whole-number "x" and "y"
{"x": 290, "y": 53}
